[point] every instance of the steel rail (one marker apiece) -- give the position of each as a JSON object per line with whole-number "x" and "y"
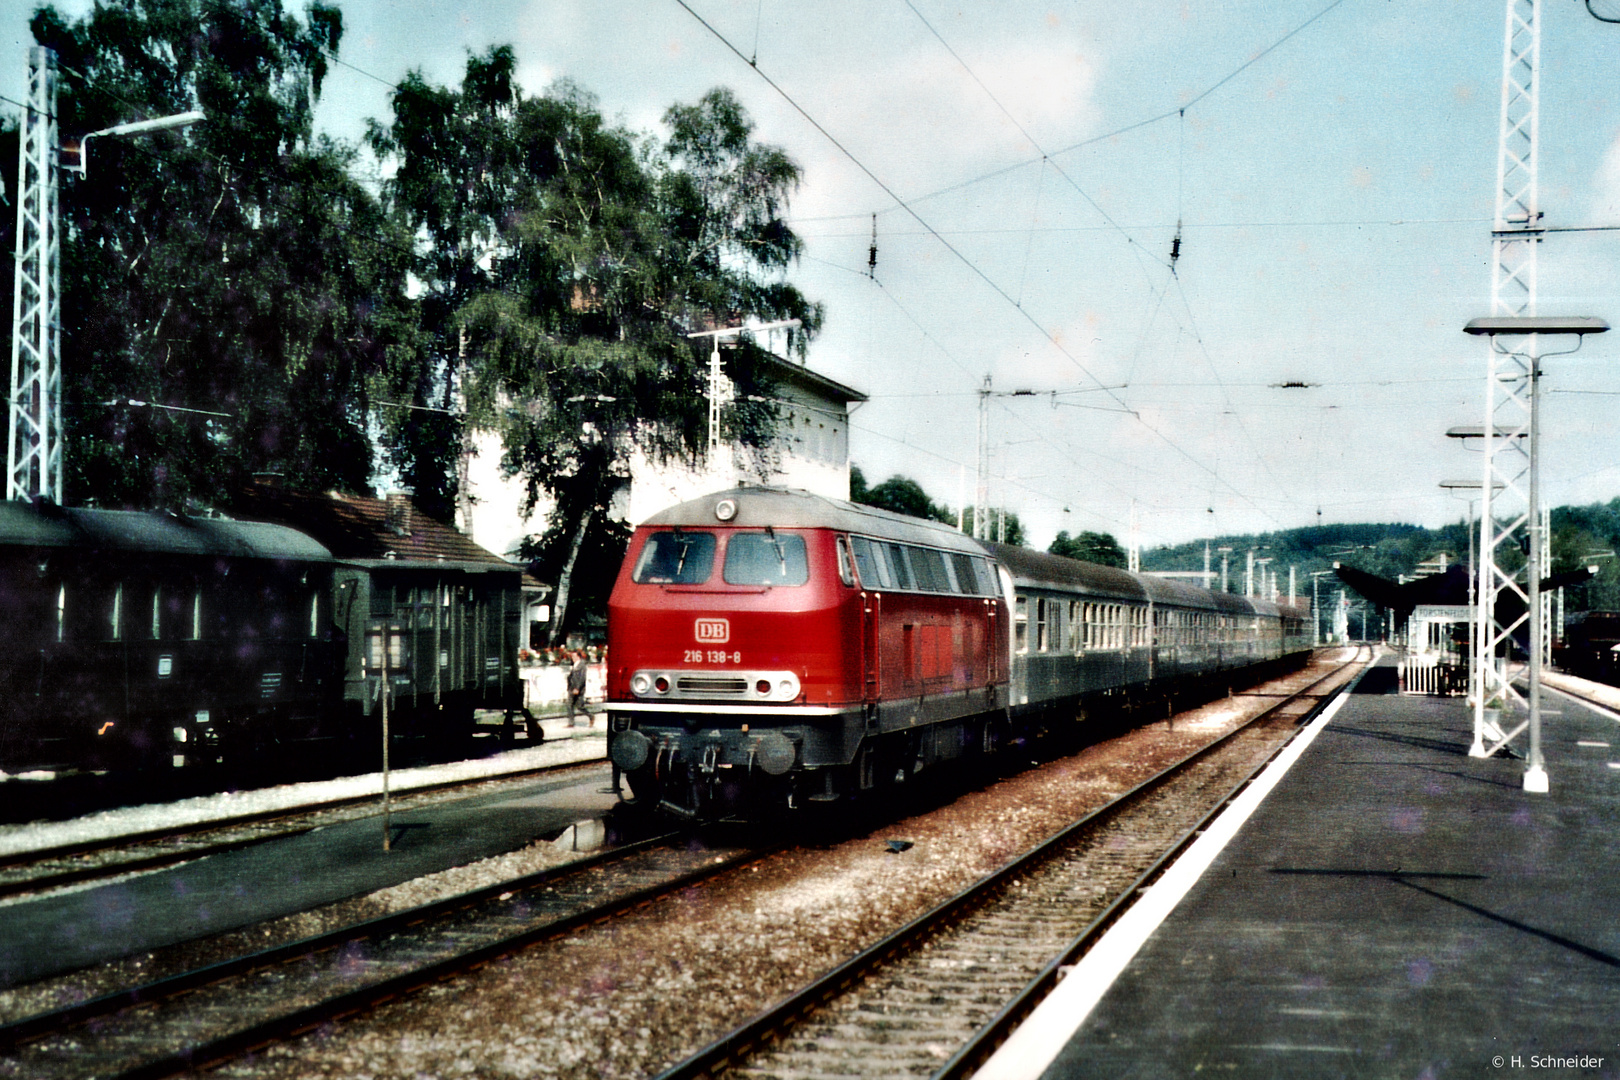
{"x": 32, "y": 1027}
{"x": 215, "y": 1050}
{"x": 56, "y": 878}
{"x": 727, "y": 1050}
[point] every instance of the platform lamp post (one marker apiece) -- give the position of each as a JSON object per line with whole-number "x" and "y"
{"x": 1316, "y": 609}
{"x": 1472, "y": 486}
{"x": 1530, "y": 327}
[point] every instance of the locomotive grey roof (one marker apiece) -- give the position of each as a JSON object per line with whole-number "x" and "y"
{"x": 43, "y": 525}
{"x": 790, "y": 508}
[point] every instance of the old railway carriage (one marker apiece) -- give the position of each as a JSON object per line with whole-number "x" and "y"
{"x": 770, "y": 645}
{"x": 149, "y": 639}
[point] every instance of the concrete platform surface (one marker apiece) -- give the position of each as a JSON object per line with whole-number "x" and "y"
{"x": 1393, "y": 909}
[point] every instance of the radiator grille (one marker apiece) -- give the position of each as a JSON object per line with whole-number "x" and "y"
{"x": 711, "y": 684}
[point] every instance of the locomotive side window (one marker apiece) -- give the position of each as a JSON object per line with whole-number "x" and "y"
{"x": 967, "y": 581}
{"x": 846, "y": 566}
{"x": 929, "y": 567}
{"x": 676, "y": 558}
{"x": 870, "y": 563}
{"x": 899, "y": 566}
{"x": 767, "y": 558}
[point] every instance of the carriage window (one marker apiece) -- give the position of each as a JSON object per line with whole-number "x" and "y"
{"x": 767, "y": 558}
{"x": 1041, "y": 623}
{"x": 196, "y": 615}
{"x": 115, "y": 629}
{"x": 675, "y": 558}
{"x": 1021, "y": 625}
{"x": 61, "y": 612}
{"x": 157, "y": 612}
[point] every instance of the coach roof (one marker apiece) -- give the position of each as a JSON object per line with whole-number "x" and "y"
{"x": 44, "y": 525}
{"x": 788, "y": 508}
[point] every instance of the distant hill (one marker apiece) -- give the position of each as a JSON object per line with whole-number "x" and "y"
{"x": 1582, "y": 536}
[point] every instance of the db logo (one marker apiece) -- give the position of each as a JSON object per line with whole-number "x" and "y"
{"x": 713, "y": 631}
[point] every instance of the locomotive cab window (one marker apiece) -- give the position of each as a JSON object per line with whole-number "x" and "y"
{"x": 767, "y": 558}
{"x": 676, "y": 558}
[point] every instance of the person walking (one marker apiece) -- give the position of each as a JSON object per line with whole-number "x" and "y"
{"x": 576, "y": 690}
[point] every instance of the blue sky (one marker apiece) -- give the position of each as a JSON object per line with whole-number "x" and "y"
{"x": 1335, "y": 195}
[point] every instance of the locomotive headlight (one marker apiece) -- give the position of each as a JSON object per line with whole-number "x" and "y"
{"x": 661, "y": 684}
{"x": 787, "y": 687}
{"x": 640, "y": 683}
{"x": 725, "y": 510}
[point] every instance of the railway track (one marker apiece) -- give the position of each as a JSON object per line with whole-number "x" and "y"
{"x": 937, "y": 997}
{"x": 93, "y": 860}
{"x": 206, "y": 1015}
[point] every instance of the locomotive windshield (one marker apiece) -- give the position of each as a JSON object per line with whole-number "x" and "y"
{"x": 767, "y": 558}
{"x": 675, "y": 558}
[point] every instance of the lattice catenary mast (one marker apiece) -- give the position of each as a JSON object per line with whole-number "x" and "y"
{"x": 34, "y": 451}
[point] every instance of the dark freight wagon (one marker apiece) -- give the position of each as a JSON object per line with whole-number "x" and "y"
{"x": 446, "y": 633}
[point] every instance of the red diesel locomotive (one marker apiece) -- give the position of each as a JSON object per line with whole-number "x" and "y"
{"x": 771, "y": 644}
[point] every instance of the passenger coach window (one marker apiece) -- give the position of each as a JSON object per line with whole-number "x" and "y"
{"x": 675, "y": 558}
{"x": 766, "y": 559}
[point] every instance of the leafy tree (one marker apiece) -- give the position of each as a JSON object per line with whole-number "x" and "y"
{"x": 586, "y": 255}
{"x": 1092, "y": 547}
{"x": 903, "y": 495}
{"x": 226, "y": 291}
{"x": 457, "y": 179}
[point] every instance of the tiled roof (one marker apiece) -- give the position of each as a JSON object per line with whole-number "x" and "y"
{"x": 358, "y": 527}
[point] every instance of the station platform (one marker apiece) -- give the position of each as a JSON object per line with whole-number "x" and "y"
{"x": 1392, "y": 908}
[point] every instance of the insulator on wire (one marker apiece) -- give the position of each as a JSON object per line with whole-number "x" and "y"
{"x": 871, "y": 252}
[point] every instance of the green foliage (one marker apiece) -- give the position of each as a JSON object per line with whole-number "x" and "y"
{"x": 227, "y": 291}
{"x": 1581, "y": 536}
{"x": 1092, "y": 547}
{"x": 565, "y": 262}
{"x": 903, "y": 495}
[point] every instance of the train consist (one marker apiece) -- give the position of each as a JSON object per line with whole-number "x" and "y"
{"x": 141, "y": 639}
{"x": 770, "y": 647}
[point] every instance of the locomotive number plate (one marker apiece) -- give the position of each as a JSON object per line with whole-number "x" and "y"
{"x": 712, "y": 656}
{"x": 712, "y": 631}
